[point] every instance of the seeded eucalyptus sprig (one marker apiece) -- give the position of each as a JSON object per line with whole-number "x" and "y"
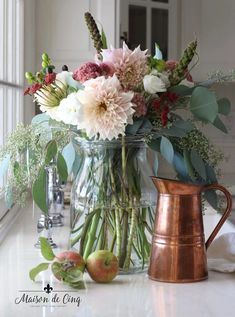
{"x": 179, "y": 72}
{"x": 94, "y": 32}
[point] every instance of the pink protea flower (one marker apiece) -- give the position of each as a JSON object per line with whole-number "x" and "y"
{"x": 130, "y": 66}
{"x": 87, "y": 71}
{"x": 140, "y": 106}
{"x": 107, "y": 109}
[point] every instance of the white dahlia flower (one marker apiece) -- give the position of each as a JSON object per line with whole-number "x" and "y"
{"x": 107, "y": 109}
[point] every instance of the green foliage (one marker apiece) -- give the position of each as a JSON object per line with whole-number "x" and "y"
{"x": 203, "y": 104}
{"x": 46, "y": 249}
{"x": 224, "y": 106}
{"x": 166, "y": 149}
{"x": 198, "y": 164}
{"x": 39, "y": 190}
{"x": 104, "y": 39}
{"x": 38, "y": 269}
{"x": 62, "y": 167}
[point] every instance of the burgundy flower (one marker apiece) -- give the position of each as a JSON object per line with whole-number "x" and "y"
{"x": 35, "y": 87}
{"x": 50, "y": 78}
{"x": 164, "y": 116}
{"x": 172, "y": 97}
{"x": 107, "y": 69}
{"x": 156, "y": 104}
{"x": 87, "y": 71}
{"x": 27, "y": 91}
{"x": 140, "y": 107}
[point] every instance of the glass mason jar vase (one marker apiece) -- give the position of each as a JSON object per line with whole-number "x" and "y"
{"x": 113, "y": 201}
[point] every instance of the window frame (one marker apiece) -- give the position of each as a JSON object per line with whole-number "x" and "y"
{"x": 11, "y": 79}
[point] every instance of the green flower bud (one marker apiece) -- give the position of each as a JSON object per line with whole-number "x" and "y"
{"x": 45, "y": 57}
{"x": 28, "y": 75}
{"x": 44, "y": 64}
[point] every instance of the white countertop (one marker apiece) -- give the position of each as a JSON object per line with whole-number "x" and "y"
{"x": 126, "y": 296}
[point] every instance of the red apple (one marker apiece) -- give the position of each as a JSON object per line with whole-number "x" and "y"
{"x": 67, "y": 261}
{"x": 102, "y": 266}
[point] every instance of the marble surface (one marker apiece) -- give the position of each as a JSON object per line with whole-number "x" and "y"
{"x": 127, "y": 296}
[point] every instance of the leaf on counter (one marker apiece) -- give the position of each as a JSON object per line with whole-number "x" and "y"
{"x": 220, "y": 125}
{"x": 46, "y": 249}
{"x": 38, "y": 269}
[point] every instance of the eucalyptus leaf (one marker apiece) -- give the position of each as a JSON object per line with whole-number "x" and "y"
{"x": 220, "y": 125}
{"x": 224, "y": 106}
{"x": 203, "y": 104}
{"x": 211, "y": 176}
{"x": 133, "y": 128}
{"x": 4, "y": 164}
{"x": 211, "y": 197}
{"x": 145, "y": 127}
{"x": 39, "y": 190}
{"x": 182, "y": 90}
{"x": 77, "y": 164}
{"x": 188, "y": 164}
{"x": 155, "y": 164}
{"x": 184, "y": 125}
{"x": 179, "y": 166}
{"x": 39, "y": 118}
{"x": 69, "y": 156}
{"x": 38, "y": 269}
{"x": 62, "y": 167}
{"x": 9, "y": 197}
{"x": 174, "y": 131}
{"x": 166, "y": 149}
{"x": 51, "y": 151}
{"x": 46, "y": 249}
{"x": 198, "y": 164}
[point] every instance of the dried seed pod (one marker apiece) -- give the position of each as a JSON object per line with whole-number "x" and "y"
{"x": 94, "y": 32}
{"x": 179, "y": 72}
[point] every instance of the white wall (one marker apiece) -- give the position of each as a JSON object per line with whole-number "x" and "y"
{"x": 62, "y": 33}
{"x": 29, "y": 52}
{"x": 212, "y": 22}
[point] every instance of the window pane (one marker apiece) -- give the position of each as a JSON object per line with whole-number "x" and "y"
{"x": 160, "y": 30}
{"x": 137, "y": 26}
{"x": 164, "y": 1}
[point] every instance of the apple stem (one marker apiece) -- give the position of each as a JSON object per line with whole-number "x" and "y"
{"x": 130, "y": 240}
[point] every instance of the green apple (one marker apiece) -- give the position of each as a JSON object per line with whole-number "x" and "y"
{"x": 67, "y": 261}
{"x": 102, "y": 266}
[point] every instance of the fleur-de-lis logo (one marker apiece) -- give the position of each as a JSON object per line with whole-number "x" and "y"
{"x": 48, "y": 289}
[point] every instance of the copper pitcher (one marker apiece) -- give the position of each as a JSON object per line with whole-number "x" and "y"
{"x": 178, "y": 247}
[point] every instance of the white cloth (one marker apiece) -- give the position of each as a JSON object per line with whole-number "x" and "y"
{"x": 221, "y": 253}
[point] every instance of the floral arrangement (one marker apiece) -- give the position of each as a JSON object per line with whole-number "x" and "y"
{"x": 125, "y": 94}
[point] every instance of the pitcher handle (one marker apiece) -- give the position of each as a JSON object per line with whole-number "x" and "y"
{"x": 226, "y": 213}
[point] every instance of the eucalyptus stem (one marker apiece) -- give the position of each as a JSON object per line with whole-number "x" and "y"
{"x": 91, "y": 235}
{"x": 130, "y": 240}
{"x": 124, "y": 239}
{"x": 85, "y": 229}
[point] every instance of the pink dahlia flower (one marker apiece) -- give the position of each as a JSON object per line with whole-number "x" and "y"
{"x": 87, "y": 71}
{"x": 140, "y": 106}
{"x": 130, "y": 66}
{"x": 106, "y": 108}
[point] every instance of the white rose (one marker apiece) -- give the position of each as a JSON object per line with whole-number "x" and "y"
{"x": 70, "y": 110}
{"x": 156, "y": 82}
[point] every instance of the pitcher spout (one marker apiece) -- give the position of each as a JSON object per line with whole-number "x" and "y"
{"x": 175, "y": 187}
